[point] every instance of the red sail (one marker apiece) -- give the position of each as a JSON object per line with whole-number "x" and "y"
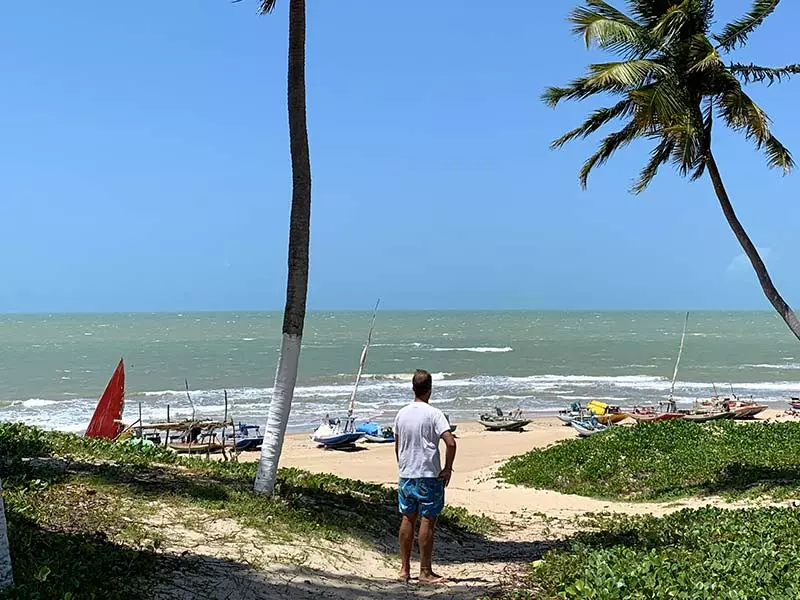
{"x": 109, "y": 409}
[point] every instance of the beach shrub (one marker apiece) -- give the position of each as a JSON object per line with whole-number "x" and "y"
{"x": 658, "y": 461}
{"x": 710, "y": 553}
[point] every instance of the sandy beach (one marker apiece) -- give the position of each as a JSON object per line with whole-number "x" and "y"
{"x": 473, "y": 486}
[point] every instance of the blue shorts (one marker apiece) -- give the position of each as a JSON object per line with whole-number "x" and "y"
{"x": 423, "y": 496}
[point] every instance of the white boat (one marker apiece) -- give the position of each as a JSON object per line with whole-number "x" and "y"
{"x": 340, "y": 432}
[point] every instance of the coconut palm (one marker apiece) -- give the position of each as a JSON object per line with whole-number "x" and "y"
{"x": 6, "y": 575}
{"x": 671, "y": 81}
{"x": 299, "y": 223}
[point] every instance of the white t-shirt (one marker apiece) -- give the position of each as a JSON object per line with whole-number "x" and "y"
{"x": 418, "y": 428}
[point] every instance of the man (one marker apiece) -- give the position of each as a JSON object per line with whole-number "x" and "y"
{"x": 418, "y": 428}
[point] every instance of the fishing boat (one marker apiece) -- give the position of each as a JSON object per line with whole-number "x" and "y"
{"x": 647, "y": 414}
{"x": 575, "y": 411}
{"x": 606, "y": 414}
{"x": 341, "y": 432}
{"x": 196, "y": 447}
{"x": 794, "y": 403}
{"x": 243, "y": 440}
{"x": 588, "y": 426}
{"x": 375, "y": 433}
{"x": 741, "y": 409}
{"x": 501, "y": 422}
{"x": 107, "y": 418}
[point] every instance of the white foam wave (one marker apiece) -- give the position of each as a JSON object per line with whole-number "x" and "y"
{"x": 34, "y": 403}
{"x": 479, "y": 349}
{"x": 785, "y": 366}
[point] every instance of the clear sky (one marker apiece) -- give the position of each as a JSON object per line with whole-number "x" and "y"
{"x": 144, "y": 164}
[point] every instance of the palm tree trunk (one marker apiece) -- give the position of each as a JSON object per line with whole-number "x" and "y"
{"x": 6, "y": 575}
{"x": 297, "y": 284}
{"x": 784, "y": 310}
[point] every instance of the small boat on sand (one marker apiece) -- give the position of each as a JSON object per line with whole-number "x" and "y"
{"x": 336, "y": 433}
{"x": 195, "y": 447}
{"x": 501, "y": 422}
{"x": 649, "y": 414}
{"x": 587, "y": 427}
{"x": 376, "y": 434}
{"x": 705, "y": 417}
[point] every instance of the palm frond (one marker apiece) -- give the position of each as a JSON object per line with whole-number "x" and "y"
{"x": 741, "y": 113}
{"x": 706, "y": 56}
{"x": 609, "y": 29}
{"x": 659, "y": 103}
{"x": 627, "y": 74}
{"x": 670, "y": 25}
{"x": 688, "y": 136}
{"x": 578, "y": 89}
{"x": 778, "y": 156}
{"x": 595, "y": 121}
{"x": 608, "y": 147}
{"x": 266, "y": 6}
{"x": 658, "y": 157}
{"x": 736, "y": 33}
{"x": 755, "y": 74}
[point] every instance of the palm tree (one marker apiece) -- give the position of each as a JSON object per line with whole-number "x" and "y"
{"x": 670, "y": 83}
{"x": 6, "y": 575}
{"x": 299, "y": 224}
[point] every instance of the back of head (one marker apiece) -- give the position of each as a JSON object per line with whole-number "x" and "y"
{"x": 422, "y": 382}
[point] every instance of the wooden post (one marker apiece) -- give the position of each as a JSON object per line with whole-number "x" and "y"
{"x": 166, "y": 440}
{"x": 224, "y": 427}
{"x": 141, "y": 433}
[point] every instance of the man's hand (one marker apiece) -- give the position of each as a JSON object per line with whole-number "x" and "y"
{"x": 445, "y": 476}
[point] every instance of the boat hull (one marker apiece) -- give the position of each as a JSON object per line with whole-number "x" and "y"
{"x": 504, "y": 425}
{"x": 706, "y": 417}
{"x": 656, "y": 417}
{"x": 338, "y": 440}
{"x": 748, "y": 412}
{"x": 378, "y": 439}
{"x": 186, "y": 448}
{"x": 585, "y": 429}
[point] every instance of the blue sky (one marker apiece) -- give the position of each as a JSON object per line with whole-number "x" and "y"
{"x": 144, "y": 164}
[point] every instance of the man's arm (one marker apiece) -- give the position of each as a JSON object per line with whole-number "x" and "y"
{"x": 449, "y": 457}
{"x": 397, "y": 447}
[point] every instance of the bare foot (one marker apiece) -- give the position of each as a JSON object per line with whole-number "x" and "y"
{"x": 404, "y": 576}
{"x": 432, "y": 578}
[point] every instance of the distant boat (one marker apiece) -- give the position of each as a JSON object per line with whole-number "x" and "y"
{"x": 107, "y": 419}
{"x": 337, "y": 433}
{"x": 501, "y": 422}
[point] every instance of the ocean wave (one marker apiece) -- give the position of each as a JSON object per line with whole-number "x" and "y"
{"x": 478, "y": 349}
{"x": 785, "y": 366}
{"x": 34, "y": 402}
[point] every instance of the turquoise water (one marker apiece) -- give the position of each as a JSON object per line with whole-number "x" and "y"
{"x": 53, "y": 367}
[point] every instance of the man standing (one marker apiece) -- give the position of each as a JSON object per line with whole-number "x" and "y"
{"x": 418, "y": 428}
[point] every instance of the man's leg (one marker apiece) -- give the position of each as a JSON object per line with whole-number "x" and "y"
{"x": 406, "y": 542}
{"x": 427, "y": 527}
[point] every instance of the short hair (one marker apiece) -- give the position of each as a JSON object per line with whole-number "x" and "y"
{"x": 422, "y": 382}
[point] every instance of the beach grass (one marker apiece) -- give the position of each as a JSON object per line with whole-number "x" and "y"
{"x": 711, "y": 553}
{"x": 75, "y": 508}
{"x": 664, "y": 461}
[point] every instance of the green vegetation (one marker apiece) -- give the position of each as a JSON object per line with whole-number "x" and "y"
{"x": 699, "y": 554}
{"x": 75, "y": 508}
{"x": 660, "y": 461}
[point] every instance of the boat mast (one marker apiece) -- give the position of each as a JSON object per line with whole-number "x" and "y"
{"x": 352, "y": 404}
{"x": 677, "y": 364}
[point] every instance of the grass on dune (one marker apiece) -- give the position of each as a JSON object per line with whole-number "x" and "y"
{"x": 707, "y": 554}
{"x": 662, "y": 461}
{"x": 72, "y": 505}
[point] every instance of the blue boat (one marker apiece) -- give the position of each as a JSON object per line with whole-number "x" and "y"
{"x": 337, "y": 433}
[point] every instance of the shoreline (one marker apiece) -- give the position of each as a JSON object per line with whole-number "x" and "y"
{"x": 479, "y": 455}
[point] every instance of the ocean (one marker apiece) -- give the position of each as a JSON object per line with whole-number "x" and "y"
{"x": 54, "y": 367}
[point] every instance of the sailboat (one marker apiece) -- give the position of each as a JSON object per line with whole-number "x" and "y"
{"x": 336, "y": 433}
{"x": 668, "y": 410}
{"x": 107, "y": 419}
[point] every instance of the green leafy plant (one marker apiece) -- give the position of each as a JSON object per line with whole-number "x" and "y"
{"x": 659, "y": 461}
{"x": 710, "y": 553}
